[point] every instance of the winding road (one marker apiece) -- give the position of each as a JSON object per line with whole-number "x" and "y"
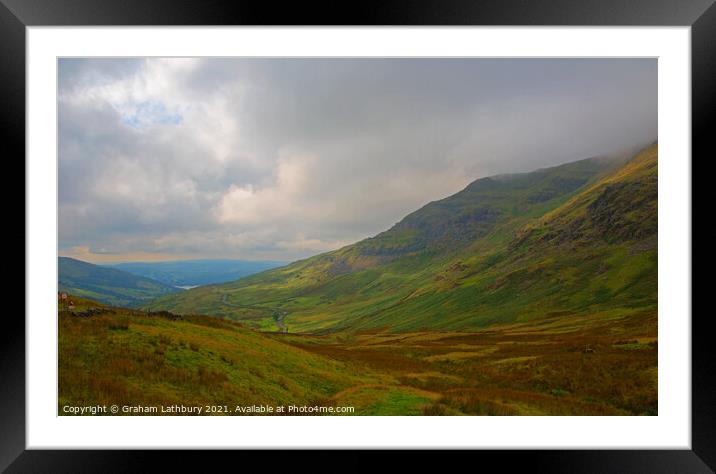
{"x": 277, "y": 314}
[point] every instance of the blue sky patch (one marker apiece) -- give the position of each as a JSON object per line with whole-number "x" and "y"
{"x": 149, "y": 113}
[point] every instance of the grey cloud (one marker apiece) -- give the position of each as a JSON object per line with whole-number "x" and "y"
{"x": 75, "y": 73}
{"x": 283, "y": 158}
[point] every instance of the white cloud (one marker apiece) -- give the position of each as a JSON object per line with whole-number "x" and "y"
{"x": 290, "y": 197}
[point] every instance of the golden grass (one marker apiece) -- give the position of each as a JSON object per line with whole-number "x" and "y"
{"x": 561, "y": 366}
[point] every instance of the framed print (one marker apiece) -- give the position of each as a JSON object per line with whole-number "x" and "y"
{"x": 418, "y": 227}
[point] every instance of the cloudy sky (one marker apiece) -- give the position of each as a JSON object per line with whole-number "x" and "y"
{"x": 280, "y": 159}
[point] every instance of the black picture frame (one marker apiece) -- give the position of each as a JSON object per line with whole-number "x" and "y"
{"x": 700, "y": 15}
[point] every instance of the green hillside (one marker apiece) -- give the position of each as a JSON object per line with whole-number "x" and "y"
{"x": 107, "y": 285}
{"x": 576, "y": 239}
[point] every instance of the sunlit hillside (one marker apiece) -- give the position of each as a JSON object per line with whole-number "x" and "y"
{"x": 576, "y": 239}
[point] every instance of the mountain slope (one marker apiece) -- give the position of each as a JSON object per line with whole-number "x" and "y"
{"x": 574, "y": 239}
{"x": 596, "y": 253}
{"x": 196, "y": 272}
{"x": 108, "y": 285}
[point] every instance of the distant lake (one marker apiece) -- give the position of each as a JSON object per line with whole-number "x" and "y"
{"x": 186, "y": 287}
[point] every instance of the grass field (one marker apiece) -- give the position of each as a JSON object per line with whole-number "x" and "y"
{"x": 600, "y": 364}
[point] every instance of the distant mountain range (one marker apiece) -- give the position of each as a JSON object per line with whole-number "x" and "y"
{"x": 108, "y": 285}
{"x": 573, "y": 240}
{"x": 187, "y": 273}
{"x": 133, "y": 284}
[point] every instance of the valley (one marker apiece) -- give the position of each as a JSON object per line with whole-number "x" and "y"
{"x": 108, "y": 285}
{"x": 526, "y": 294}
{"x": 575, "y": 239}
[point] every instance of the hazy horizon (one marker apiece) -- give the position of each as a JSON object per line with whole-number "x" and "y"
{"x": 281, "y": 159}
{"x": 189, "y": 259}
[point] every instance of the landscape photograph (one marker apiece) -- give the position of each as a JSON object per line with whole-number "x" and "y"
{"x": 357, "y": 236}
